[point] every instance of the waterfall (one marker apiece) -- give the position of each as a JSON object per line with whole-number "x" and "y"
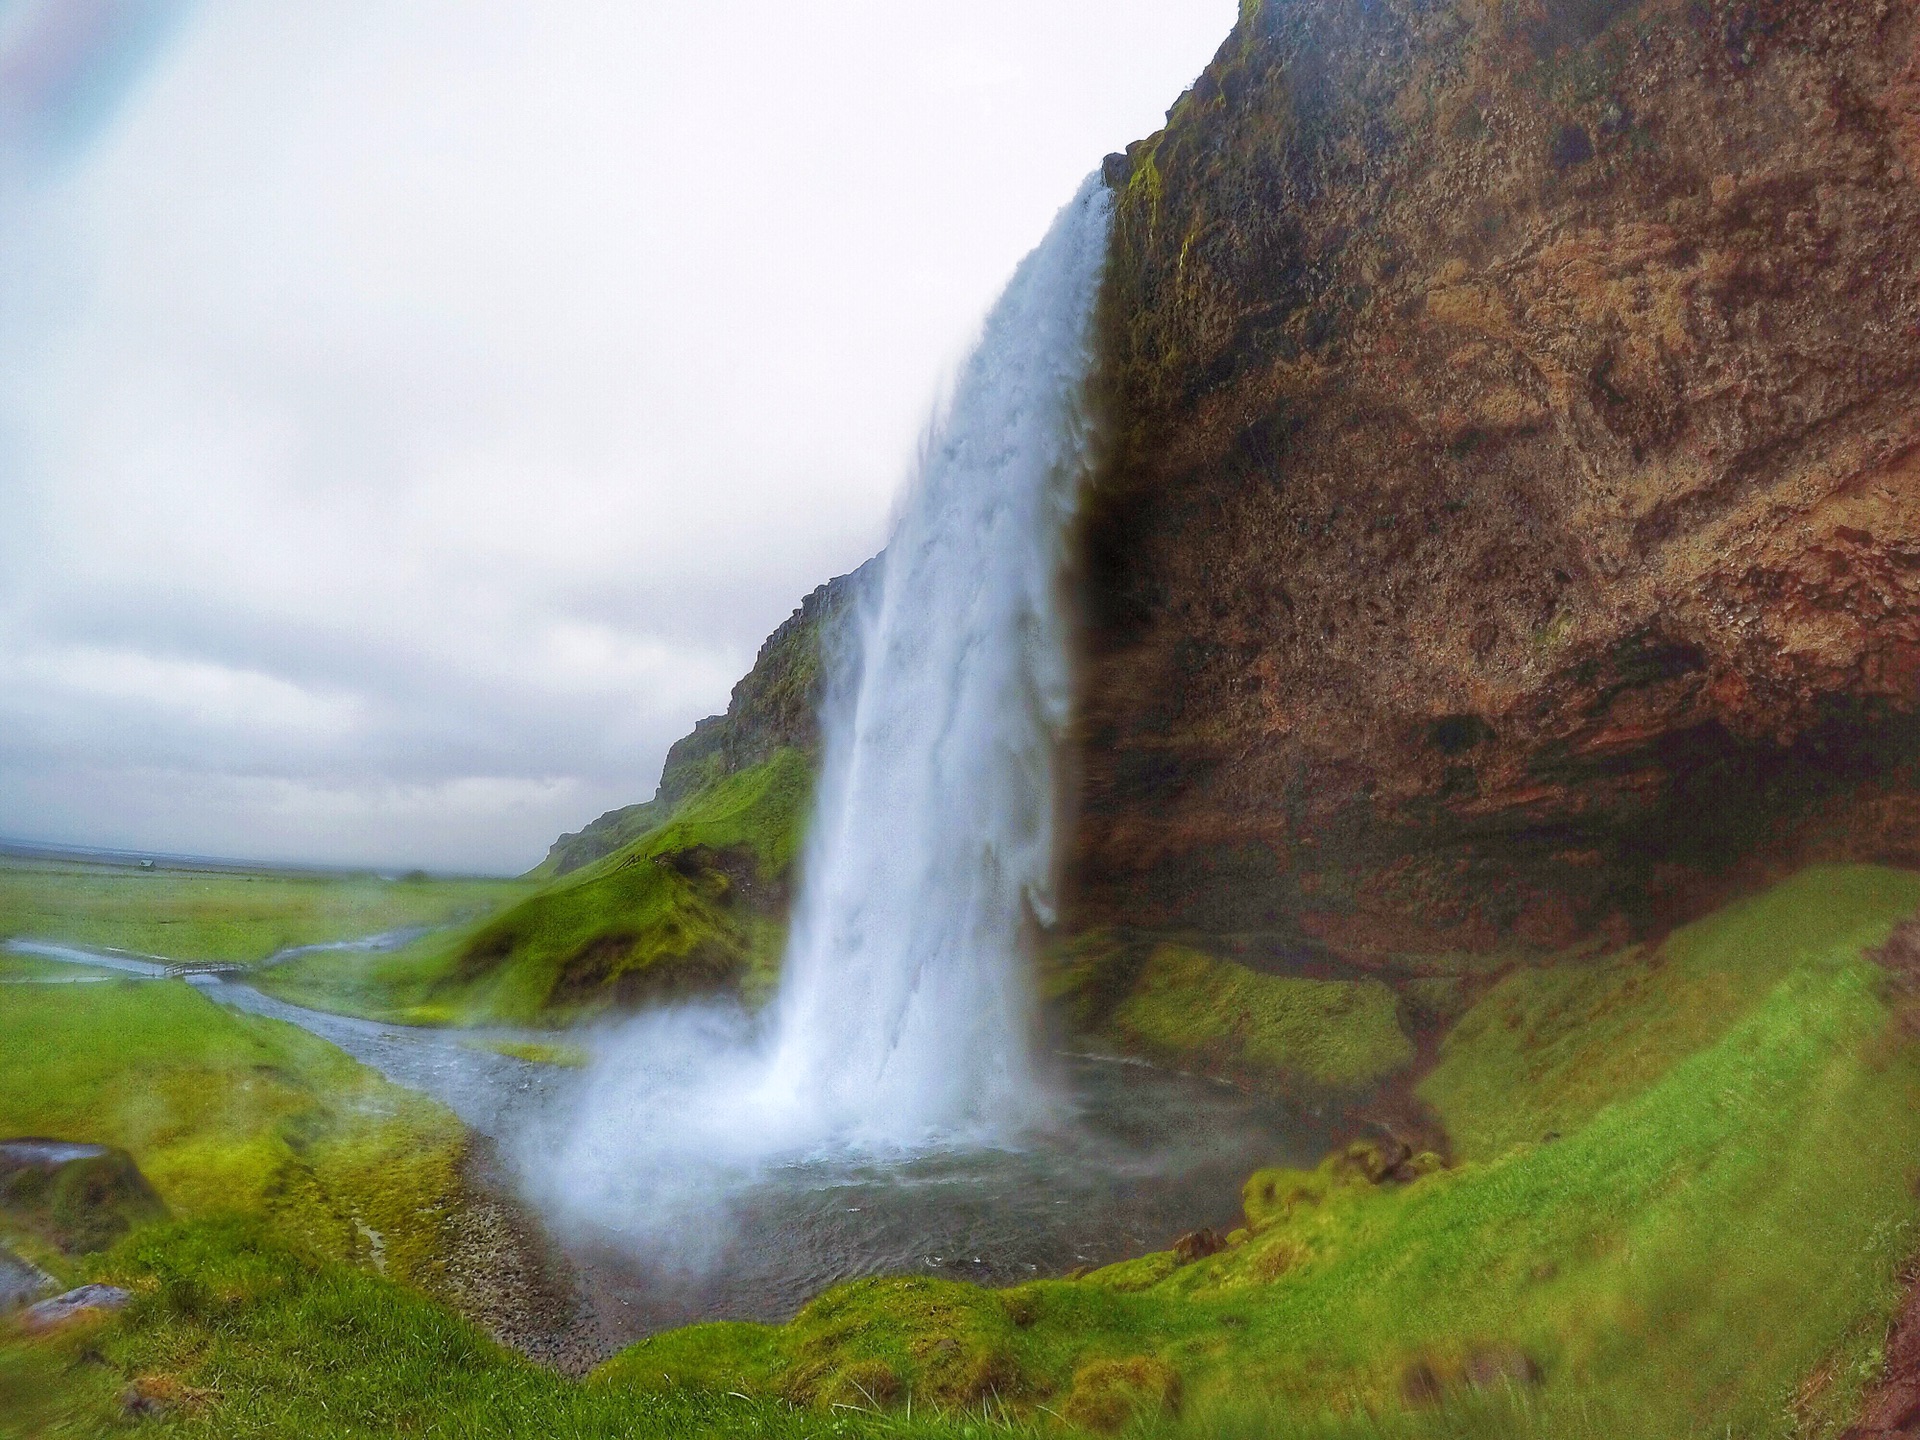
{"x": 905, "y": 1008}
{"x": 904, "y": 1020}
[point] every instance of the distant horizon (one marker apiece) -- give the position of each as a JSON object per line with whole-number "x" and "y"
{"x": 117, "y": 857}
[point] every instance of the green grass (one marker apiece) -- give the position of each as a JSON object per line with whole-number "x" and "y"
{"x": 1178, "y": 1005}
{"x": 251, "y": 1338}
{"x": 1285, "y": 1031}
{"x": 232, "y": 1114}
{"x": 694, "y": 906}
{"x": 1551, "y": 1045}
{"x": 1713, "y": 1246}
{"x": 190, "y": 915}
{"x": 30, "y": 969}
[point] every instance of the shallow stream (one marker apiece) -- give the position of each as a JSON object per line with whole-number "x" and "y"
{"x": 1142, "y": 1156}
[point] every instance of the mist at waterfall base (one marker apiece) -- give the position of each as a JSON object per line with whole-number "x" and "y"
{"x": 890, "y": 1103}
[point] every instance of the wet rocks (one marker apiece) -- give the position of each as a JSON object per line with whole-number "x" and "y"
{"x": 21, "y": 1283}
{"x": 89, "y": 1302}
{"x": 1388, "y": 1161}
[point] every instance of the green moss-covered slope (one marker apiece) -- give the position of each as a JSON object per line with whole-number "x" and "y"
{"x": 1179, "y": 1005}
{"x": 1674, "y": 1210}
{"x": 697, "y": 905}
{"x": 231, "y": 1114}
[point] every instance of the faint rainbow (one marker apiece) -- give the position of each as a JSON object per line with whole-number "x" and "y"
{"x": 66, "y": 66}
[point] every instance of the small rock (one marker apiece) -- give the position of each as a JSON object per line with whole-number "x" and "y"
{"x": 1197, "y": 1245}
{"x": 1116, "y": 170}
{"x": 137, "y": 1404}
{"x": 1502, "y": 1367}
{"x": 1380, "y": 1161}
{"x": 77, "y": 1196}
{"x": 82, "y": 1304}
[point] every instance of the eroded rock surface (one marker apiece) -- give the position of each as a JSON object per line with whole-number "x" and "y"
{"x": 1512, "y": 533}
{"x": 21, "y": 1282}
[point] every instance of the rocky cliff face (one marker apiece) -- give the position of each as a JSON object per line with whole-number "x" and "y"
{"x": 774, "y": 707}
{"x": 1512, "y": 532}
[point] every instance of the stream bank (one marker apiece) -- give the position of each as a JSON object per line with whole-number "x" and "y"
{"x": 1142, "y": 1156}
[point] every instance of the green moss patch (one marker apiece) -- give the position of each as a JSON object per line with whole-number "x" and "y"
{"x": 236, "y": 1334}
{"x": 1293, "y": 1032}
{"x": 1184, "y": 1007}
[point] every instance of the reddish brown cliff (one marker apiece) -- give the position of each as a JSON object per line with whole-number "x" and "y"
{"x": 1513, "y": 527}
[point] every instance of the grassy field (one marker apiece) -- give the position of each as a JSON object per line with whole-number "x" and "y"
{"x": 1676, "y": 1201}
{"x": 244, "y": 1337}
{"x": 202, "y": 915}
{"x": 696, "y": 905}
{"x": 231, "y": 1114}
{"x": 227, "y": 1116}
{"x": 288, "y": 1294}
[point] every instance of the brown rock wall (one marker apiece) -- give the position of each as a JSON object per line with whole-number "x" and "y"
{"x": 1512, "y": 532}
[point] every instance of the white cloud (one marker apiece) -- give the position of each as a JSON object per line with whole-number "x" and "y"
{"x": 417, "y": 412}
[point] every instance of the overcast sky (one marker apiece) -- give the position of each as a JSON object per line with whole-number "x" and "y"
{"x": 414, "y": 413}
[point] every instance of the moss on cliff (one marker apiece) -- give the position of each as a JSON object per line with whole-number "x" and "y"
{"x": 695, "y": 906}
{"x": 1275, "y": 1032}
{"x": 1673, "y": 1215}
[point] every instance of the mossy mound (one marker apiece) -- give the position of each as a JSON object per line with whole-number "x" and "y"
{"x": 221, "y": 1114}
{"x": 78, "y": 1198}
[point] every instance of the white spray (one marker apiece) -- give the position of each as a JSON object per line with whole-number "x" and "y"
{"x": 905, "y": 1017}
